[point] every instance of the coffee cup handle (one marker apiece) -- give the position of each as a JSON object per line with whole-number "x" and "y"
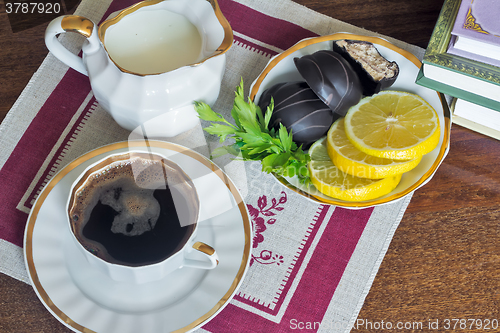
{"x": 74, "y": 23}
{"x": 209, "y": 253}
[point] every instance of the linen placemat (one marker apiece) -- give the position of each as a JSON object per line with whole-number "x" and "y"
{"x": 311, "y": 264}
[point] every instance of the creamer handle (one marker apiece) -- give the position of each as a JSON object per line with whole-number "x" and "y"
{"x": 73, "y": 23}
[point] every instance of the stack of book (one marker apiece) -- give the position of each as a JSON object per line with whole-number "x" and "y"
{"x": 462, "y": 60}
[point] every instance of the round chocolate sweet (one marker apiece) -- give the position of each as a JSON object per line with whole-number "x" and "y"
{"x": 300, "y": 110}
{"x": 332, "y": 78}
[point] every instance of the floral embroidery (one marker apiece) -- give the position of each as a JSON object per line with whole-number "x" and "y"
{"x": 267, "y": 257}
{"x": 260, "y": 225}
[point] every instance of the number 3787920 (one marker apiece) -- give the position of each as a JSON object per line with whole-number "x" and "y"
{"x": 470, "y": 324}
{"x": 32, "y": 8}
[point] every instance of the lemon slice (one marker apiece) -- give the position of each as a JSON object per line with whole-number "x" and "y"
{"x": 353, "y": 161}
{"x": 393, "y": 124}
{"x": 331, "y": 181}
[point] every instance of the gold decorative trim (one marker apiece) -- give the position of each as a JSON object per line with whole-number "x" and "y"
{"x": 470, "y": 23}
{"x": 226, "y": 44}
{"x": 28, "y": 245}
{"x": 441, "y": 35}
{"x": 79, "y": 24}
{"x": 408, "y": 55}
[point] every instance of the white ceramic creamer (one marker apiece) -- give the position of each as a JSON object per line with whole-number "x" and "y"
{"x": 152, "y": 60}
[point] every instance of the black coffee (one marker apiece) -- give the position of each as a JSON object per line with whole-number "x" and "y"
{"x": 165, "y": 237}
{"x": 134, "y": 211}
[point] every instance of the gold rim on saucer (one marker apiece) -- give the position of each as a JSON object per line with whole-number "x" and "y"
{"x": 28, "y": 240}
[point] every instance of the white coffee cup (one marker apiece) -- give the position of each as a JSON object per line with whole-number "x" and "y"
{"x": 135, "y": 217}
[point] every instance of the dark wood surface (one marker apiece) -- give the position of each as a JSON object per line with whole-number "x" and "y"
{"x": 444, "y": 260}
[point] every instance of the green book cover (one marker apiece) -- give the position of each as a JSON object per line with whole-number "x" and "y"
{"x": 436, "y": 54}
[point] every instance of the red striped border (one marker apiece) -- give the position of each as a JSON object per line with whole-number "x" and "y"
{"x": 318, "y": 282}
{"x": 314, "y": 227}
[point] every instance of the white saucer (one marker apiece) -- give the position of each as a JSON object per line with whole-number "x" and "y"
{"x": 85, "y": 300}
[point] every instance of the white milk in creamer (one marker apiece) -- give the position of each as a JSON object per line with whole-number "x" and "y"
{"x": 153, "y": 42}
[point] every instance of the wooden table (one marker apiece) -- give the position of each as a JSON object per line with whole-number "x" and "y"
{"x": 444, "y": 260}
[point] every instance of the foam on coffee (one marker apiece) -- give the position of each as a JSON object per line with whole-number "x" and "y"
{"x": 137, "y": 208}
{"x": 124, "y": 211}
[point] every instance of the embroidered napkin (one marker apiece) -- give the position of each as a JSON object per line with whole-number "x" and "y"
{"x": 311, "y": 264}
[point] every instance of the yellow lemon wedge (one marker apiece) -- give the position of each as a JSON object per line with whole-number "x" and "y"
{"x": 331, "y": 181}
{"x": 393, "y": 124}
{"x": 353, "y": 161}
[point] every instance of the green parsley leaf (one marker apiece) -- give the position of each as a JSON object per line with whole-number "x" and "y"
{"x": 221, "y": 130}
{"x": 253, "y": 140}
{"x": 268, "y": 114}
{"x": 206, "y": 113}
{"x": 286, "y": 139}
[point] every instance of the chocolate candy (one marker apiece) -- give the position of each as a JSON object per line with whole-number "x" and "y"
{"x": 374, "y": 71}
{"x": 300, "y": 110}
{"x": 332, "y": 79}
